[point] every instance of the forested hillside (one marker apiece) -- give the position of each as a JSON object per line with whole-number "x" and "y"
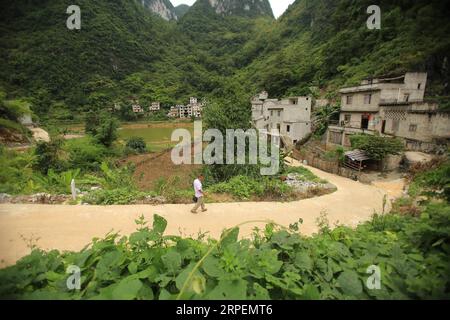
{"x": 327, "y": 43}
{"x": 219, "y": 52}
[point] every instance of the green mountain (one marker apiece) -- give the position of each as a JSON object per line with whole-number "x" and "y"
{"x": 181, "y": 10}
{"x": 326, "y": 43}
{"x": 218, "y": 50}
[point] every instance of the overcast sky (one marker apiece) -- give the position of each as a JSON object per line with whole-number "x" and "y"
{"x": 278, "y": 6}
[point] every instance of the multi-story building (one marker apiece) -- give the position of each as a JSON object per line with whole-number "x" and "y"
{"x": 155, "y": 106}
{"x": 174, "y": 112}
{"x": 291, "y": 116}
{"x": 391, "y": 107}
{"x": 193, "y": 109}
{"x": 137, "y": 107}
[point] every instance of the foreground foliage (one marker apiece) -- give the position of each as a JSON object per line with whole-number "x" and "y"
{"x": 412, "y": 254}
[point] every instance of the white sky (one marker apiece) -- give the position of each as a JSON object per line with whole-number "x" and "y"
{"x": 278, "y": 6}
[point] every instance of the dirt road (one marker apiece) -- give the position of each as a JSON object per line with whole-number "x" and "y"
{"x": 73, "y": 227}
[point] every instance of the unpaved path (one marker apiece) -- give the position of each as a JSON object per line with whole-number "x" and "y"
{"x": 40, "y": 134}
{"x": 73, "y": 227}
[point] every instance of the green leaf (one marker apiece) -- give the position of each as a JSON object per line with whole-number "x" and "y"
{"x": 127, "y": 289}
{"x": 303, "y": 261}
{"x": 310, "y": 292}
{"x": 133, "y": 267}
{"x": 211, "y": 266}
{"x": 229, "y": 290}
{"x": 159, "y": 224}
{"x": 172, "y": 261}
{"x": 260, "y": 293}
{"x": 350, "y": 283}
{"x": 229, "y": 237}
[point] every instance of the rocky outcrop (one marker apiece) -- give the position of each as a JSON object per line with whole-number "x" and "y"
{"x": 247, "y": 8}
{"x": 163, "y": 8}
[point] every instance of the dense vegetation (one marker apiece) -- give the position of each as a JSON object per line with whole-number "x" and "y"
{"x": 411, "y": 252}
{"x": 124, "y": 51}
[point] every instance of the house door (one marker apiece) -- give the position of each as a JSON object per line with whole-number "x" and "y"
{"x": 383, "y": 126}
{"x": 365, "y": 122}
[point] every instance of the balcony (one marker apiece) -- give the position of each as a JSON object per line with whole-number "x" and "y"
{"x": 398, "y": 102}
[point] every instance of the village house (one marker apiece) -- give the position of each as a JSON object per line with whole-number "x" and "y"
{"x": 137, "y": 107}
{"x": 291, "y": 116}
{"x": 155, "y": 106}
{"x": 392, "y": 107}
{"x": 193, "y": 109}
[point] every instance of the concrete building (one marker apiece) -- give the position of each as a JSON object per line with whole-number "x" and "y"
{"x": 392, "y": 107}
{"x": 193, "y": 109}
{"x": 137, "y": 108}
{"x": 155, "y": 106}
{"x": 291, "y": 116}
{"x": 174, "y": 112}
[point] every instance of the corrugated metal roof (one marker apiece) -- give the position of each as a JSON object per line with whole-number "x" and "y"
{"x": 357, "y": 155}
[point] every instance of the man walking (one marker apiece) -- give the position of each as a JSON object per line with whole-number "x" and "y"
{"x": 199, "y": 194}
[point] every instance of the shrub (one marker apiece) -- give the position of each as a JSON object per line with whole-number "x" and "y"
{"x": 85, "y": 154}
{"x": 136, "y": 145}
{"x": 377, "y": 147}
{"x": 120, "y": 196}
{"x": 16, "y": 171}
{"x": 47, "y": 156}
{"x": 242, "y": 187}
{"x": 107, "y": 132}
{"x": 103, "y": 127}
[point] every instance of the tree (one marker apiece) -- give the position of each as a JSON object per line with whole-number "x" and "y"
{"x": 107, "y": 132}
{"x": 47, "y": 155}
{"x": 137, "y": 145}
{"x": 377, "y": 147}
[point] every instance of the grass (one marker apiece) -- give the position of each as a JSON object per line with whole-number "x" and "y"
{"x": 305, "y": 174}
{"x": 156, "y": 138}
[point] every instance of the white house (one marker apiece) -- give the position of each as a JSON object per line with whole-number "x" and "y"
{"x": 291, "y": 116}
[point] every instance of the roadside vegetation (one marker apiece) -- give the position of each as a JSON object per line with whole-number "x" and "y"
{"x": 411, "y": 251}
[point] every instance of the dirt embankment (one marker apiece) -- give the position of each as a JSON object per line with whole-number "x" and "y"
{"x": 152, "y": 168}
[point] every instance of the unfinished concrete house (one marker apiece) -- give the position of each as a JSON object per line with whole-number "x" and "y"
{"x": 291, "y": 116}
{"x": 155, "y": 106}
{"x": 392, "y": 107}
{"x": 193, "y": 109}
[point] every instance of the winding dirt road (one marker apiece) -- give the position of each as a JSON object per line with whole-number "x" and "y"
{"x": 73, "y": 227}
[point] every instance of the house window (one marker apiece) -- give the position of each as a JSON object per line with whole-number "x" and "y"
{"x": 368, "y": 99}
{"x": 348, "y": 118}
{"x": 406, "y": 97}
{"x": 349, "y": 99}
{"x": 413, "y": 128}
{"x": 279, "y": 113}
{"x": 271, "y": 113}
{"x": 288, "y": 128}
{"x": 419, "y": 86}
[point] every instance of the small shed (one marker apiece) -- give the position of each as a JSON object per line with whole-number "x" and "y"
{"x": 356, "y": 160}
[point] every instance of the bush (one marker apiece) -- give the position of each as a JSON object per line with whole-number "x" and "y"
{"x": 103, "y": 127}
{"x": 377, "y": 147}
{"x": 136, "y": 145}
{"x": 121, "y": 196}
{"x": 242, "y": 187}
{"x": 47, "y": 156}
{"x": 86, "y": 154}
{"x": 16, "y": 171}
